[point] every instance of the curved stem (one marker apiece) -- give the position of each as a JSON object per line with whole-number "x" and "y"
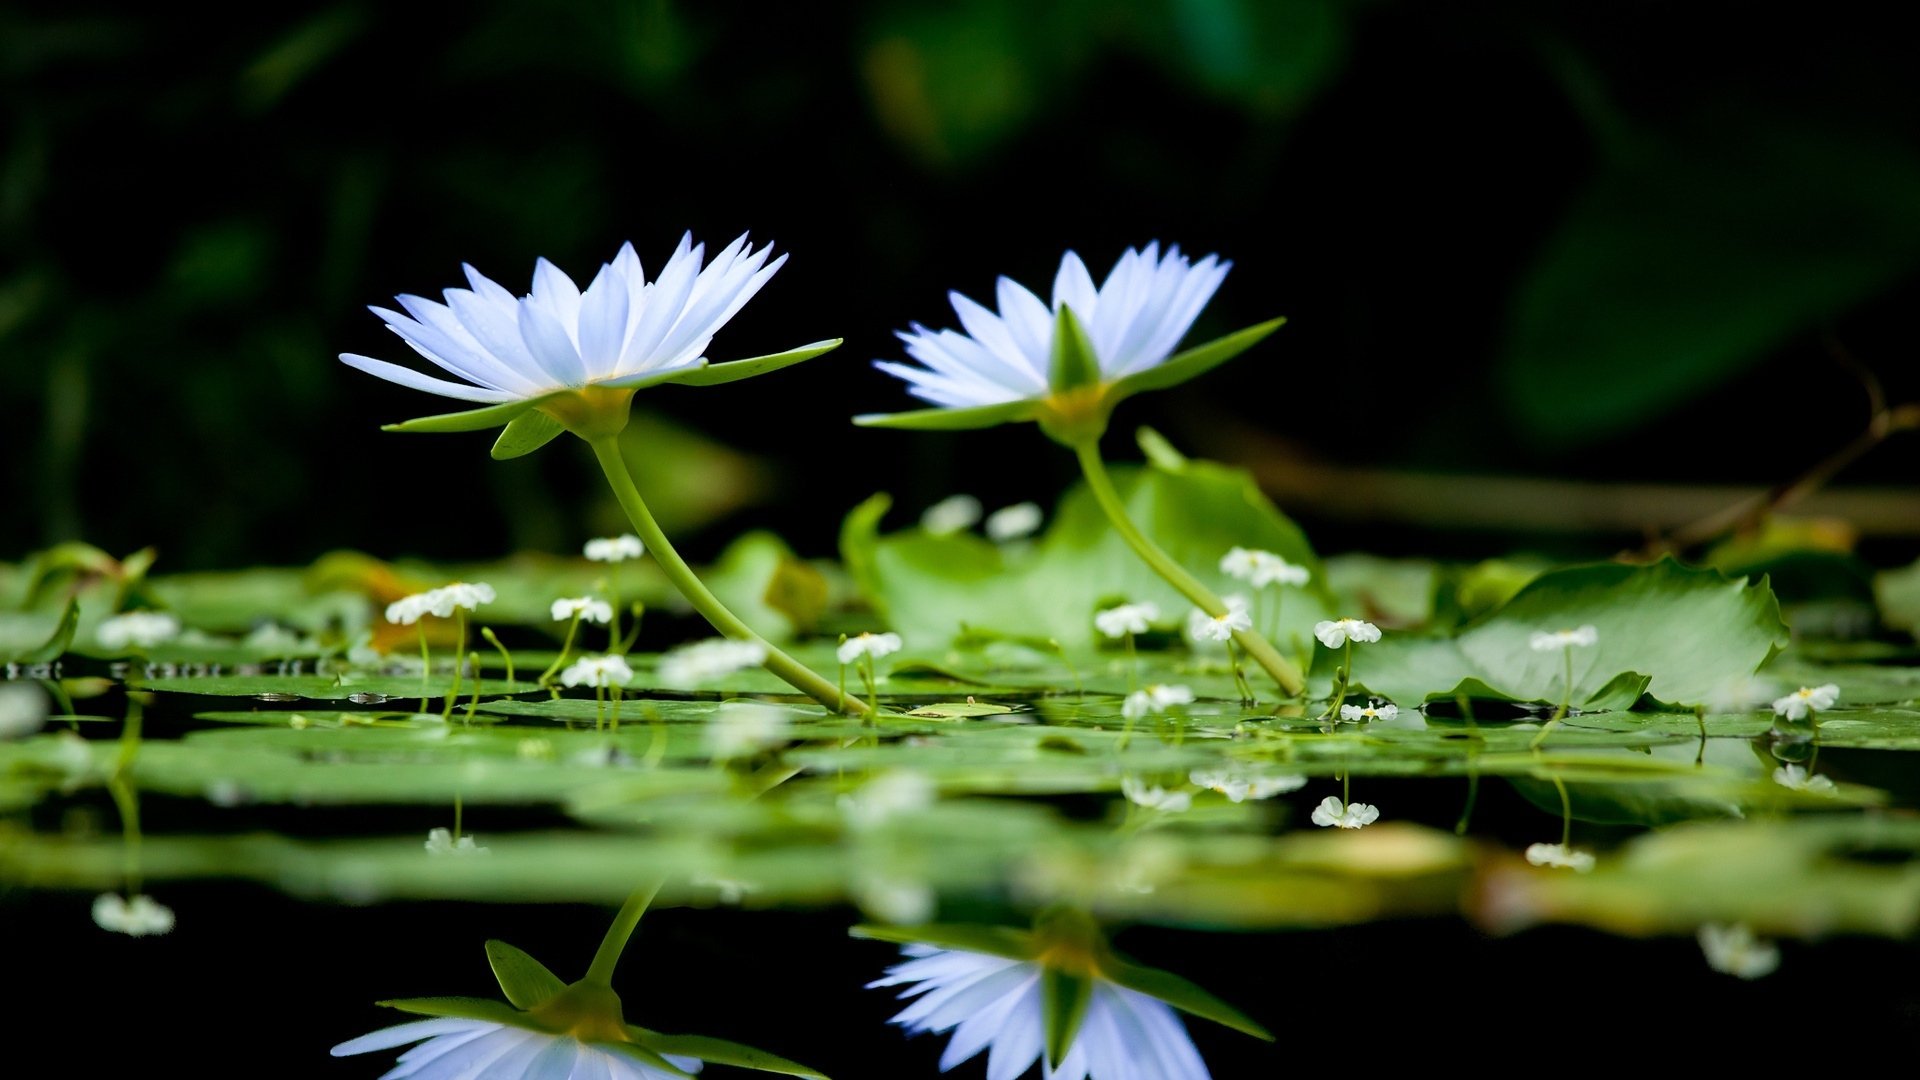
{"x": 566, "y": 647}
{"x": 793, "y": 672}
{"x": 607, "y": 957}
{"x": 1264, "y": 654}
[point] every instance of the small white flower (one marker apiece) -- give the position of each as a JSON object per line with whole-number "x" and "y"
{"x": 1798, "y": 779}
{"x": 874, "y": 645}
{"x": 410, "y": 609}
{"x": 900, "y": 791}
{"x": 588, "y": 608}
{"x": 1797, "y": 705}
{"x": 23, "y": 708}
{"x": 705, "y": 661}
{"x": 1221, "y": 627}
{"x": 1240, "y": 563}
{"x": 1359, "y": 714}
{"x": 727, "y": 890}
{"x": 1740, "y": 693}
{"x": 953, "y": 514}
{"x": 1262, "y": 568}
{"x": 896, "y": 900}
{"x": 1733, "y": 950}
{"x": 1155, "y": 798}
{"x": 460, "y": 594}
{"x": 995, "y": 1004}
{"x": 270, "y": 637}
{"x": 137, "y": 629}
{"x": 1332, "y": 812}
{"x": 612, "y": 549}
{"x": 1555, "y": 640}
{"x": 1155, "y": 699}
{"x": 138, "y": 917}
{"x": 742, "y": 729}
{"x": 534, "y": 749}
{"x": 451, "y": 1047}
{"x": 599, "y": 672}
{"x": 1240, "y": 786}
{"x": 441, "y": 842}
{"x": 1118, "y": 622}
{"x": 1014, "y": 522}
{"x": 1337, "y": 632}
{"x": 1560, "y": 855}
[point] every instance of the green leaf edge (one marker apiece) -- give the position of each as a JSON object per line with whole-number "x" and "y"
{"x": 526, "y": 981}
{"x": 722, "y": 1052}
{"x": 1182, "y": 994}
{"x": 1193, "y": 362}
{"x": 735, "y": 370}
{"x": 945, "y": 419}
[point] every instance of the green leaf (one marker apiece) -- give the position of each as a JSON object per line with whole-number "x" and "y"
{"x": 464, "y": 1008}
{"x": 1182, "y": 995}
{"x": 733, "y": 370}
{"x": 56, "y": 643}
{"x": 1064, "y": 998}
{"x": 528, "y": 432}
{"x": 526, "y": 981}
{"x": 721, "y": 1052}
{"x": 955, "y": 710}
{"x": 991, "y": 940}
{"x": 1073, "y": 365}
{"x": 491, "y": 416}
{"x": 1194, "y": 362}
{"x": 944, "y": 419}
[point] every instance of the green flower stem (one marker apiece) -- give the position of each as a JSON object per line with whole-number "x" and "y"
{"x": 546, "y": 677}
{"x": 1341, "y": 680}
{"x": 426, "y": 665}
{"x": 494, "y": 640}
{"x": 1264, "y": 654}
{"x": 615, "y": 943}
{"x": 1566, "y": 705}
{"x": 797, "y": 675}
{"x": 459, "y": 660}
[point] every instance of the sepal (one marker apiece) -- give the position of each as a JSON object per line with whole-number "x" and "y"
{"x": 1192, "y": 363}
{"x": 1073, "y": 365}
{"x": 991, "y": 940}
{"x": 1064, "y": 999}
{"x": 735, "y": 370}
{"x": 978, "y": 416}
{"x": 1181, "y": 994}
{"x": 526, "y": 981}
{"x": 720, "y": 1052}
{"x": 492, "y": 416}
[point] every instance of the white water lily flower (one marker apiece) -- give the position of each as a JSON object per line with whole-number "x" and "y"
{"x": 1332, "y": 812}
{"x": 441, "y": 842}
{"x": 1219, "y": 627}
{"x": 137, "y": 629}
{"x": 1734, "y": 950}
{"x": 1118, "y": 622}
{"x": 1553, "y": 640}
{"x": 589, "y": 608}
{"x": 1797, "y": 705}
{"x": 23, "y": 708}
{"x": 1799, "y": 779}
{"x": 138, "y": 917}
{"x": 619, "y": 331}
{"x": 1240, "y": 786}
{"x": 994, "y": 1004}
{"x": 1155, "y": 798}
{"x": 452, "y": 1048}
{"x": 1334, "y": 633}
{"x": 1014, "y": 522}
{"x": 953, "y": 514}
{"x": 613, "y": 549}
{"x": 599, "y": 672}
{"x": 743, "y": 729}
{"x": 705, "y": 661}
{"x": 1132, "y": 322}
{"x": 874, "y": 645}
{"x": 1560, "y": 855}
{"x": 1359, "y": 714}
{"x": 1155, "y": 699}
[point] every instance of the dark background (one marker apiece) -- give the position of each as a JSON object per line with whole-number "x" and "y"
{"x": 1525, "y": 238}
{"x": 1580, "y": 242}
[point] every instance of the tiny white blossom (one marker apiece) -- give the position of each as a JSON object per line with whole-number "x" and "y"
{"x": 1262, "y": 568}
{"x": 953, "y": 514}
{"x": 1332, "y": 812}
{"x": 441, "y": 842}
{"x": 23, "y": 708}
{"x": 1555, "y": 640}
{"x": 137, "y": 917}
{"x": 1560, "y": 855}
{"x": 1014, "y": 522}
{"x": 1733, "y": 950}
{"x": 410, "y": 609}
{"x": 1155, "y": 699}
{"x": 1240, "y": 563}
{"x": 1240, "y": 786}
{"x": 137, "y": 629}
{"x": 742, "y": 729}
{"x": 1118, "y": 622}
{"x": 874, "y": 645}
{"x": 1155, "y": 798}
{"x": 1799, "y": 779}
{"x": 900, "y": 791}
{"x": 534, "y": 749}
{"x": 1359, "y": 714}
{"x": 1218, "y": 627}
{"x": 612, "y": 549}
{"x": 1337, "y": 632}
{"x": 597, "y": 671}
{"x": 455, "y": 1048}
{"x": 588, "y": 608}
{"x": 714, "y": 658}
{"x": 1739, "y": 693}
{"x": 460, "y": 594}
{"x": 1797, "y": 705}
